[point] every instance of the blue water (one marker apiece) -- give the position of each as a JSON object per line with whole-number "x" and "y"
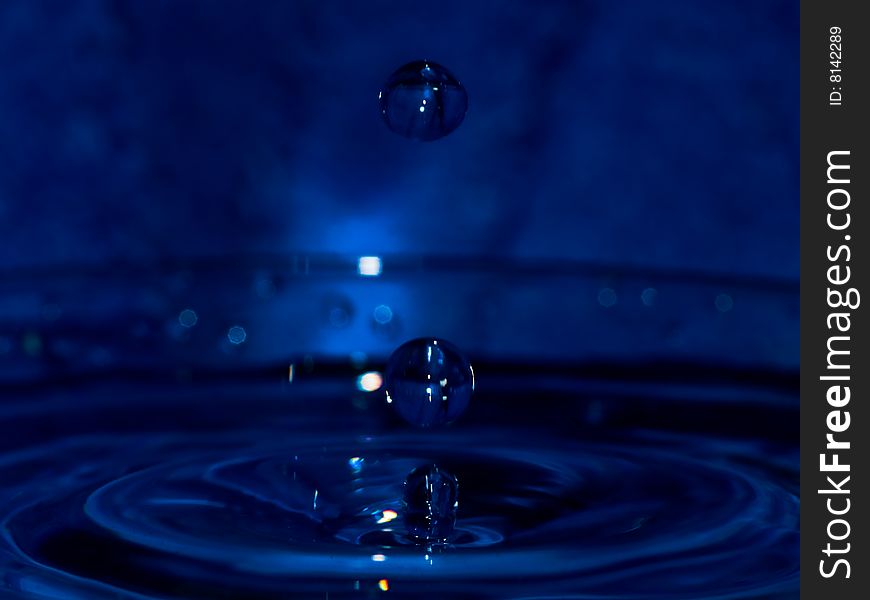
{"x": 241, "y": 488}
{"x": 221, "y": 430}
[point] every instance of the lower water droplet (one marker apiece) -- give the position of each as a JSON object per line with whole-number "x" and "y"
{"x": 431, "y": 499}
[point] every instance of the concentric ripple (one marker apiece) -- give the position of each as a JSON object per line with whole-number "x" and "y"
{"x": 224, "y": 516}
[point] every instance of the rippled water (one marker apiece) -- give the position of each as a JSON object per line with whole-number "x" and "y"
{"x": 245, "y": 488}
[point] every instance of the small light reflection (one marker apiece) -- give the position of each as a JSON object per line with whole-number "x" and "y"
{"x": 387, "y": 516}
{"x": 384, "y": 585}
{"x": 369, "y": 382}
{"x": 370, "y": 266}
{"x": 290, "y": 373}
{"x": 356, "y": 464}
{"x": 378, "y": 557}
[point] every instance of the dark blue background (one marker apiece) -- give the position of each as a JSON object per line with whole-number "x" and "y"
{"x": 650, "y": 133}
{"x": 626, "y": 145}
{"x": 611, "y": 236}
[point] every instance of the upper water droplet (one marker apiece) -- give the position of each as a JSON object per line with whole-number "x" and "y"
{"x": 423, "y": 100}
{"x": 429, "y": 381}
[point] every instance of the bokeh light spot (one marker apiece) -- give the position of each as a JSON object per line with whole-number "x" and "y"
{"x": 188, "y": 317}
{"x": 724, "y": 303}
{"x": 370, "y": 266}
{"x": 387, "y": 516}
{"x": 369, "y": 382}
{"x": 237, "y": 334}
{"x": 31, "y": 343}
{"x": 648, "y": 296}
{"x": 383, "y": 314}
{"x": 606, "y": 297}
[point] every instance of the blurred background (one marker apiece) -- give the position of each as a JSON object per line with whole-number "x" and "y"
{"x": 210, "y": 243}
{"x": 625, "y": 183}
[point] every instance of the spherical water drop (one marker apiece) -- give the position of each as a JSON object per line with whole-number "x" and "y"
{"x": 430, "y": 500}
{"x": 429, "y": 382}
{"x": 423, "y": 100}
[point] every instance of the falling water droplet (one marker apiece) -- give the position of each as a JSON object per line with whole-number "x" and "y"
{"x": 429, "y": 382}
{"x": 423, "y": 100}
{"x": 430, "y": 500}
